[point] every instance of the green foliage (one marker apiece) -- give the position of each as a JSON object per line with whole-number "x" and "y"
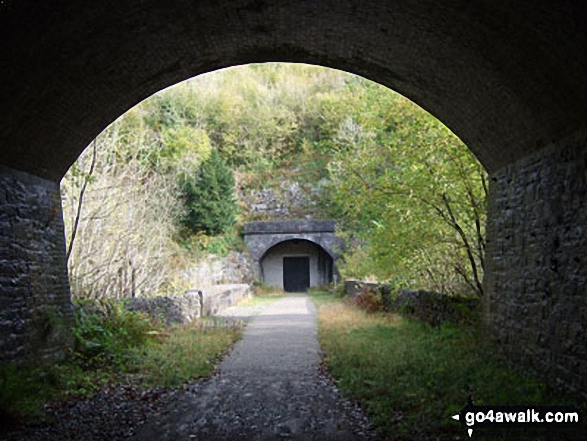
{"x": 114, "y": 345}
{"x": 20, "y": 391}
{"x": 182, "y": 141}
{"x": 105, "y": 335}
{"x": 412, "y": 196}
{"x": 220, "y": 245}
{"x": 338, "y": 290}
{"x": 259, "y": 117}
{"x": 411, "y": 377}
{"x": 187, "y": 353}
{"x": 210, "y": 201}
{"x": 369, "y": 301}
{"x": 409, "y": 195}
{"x": 261, "y": 289}
{"x": 103, "y": 339}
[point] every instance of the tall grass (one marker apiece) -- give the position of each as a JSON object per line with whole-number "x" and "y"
{"x": 261, "y": 289}
{"x": 411, "y": 377}
{"x": 185, "y": 354}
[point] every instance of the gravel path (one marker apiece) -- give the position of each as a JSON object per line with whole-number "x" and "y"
{"x": 268, "y": 388}
{"x": 271, "y": 387}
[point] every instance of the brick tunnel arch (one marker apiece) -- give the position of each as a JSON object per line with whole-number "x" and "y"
{"x": 297, "y": 264}
{"x": 506, "y": 77}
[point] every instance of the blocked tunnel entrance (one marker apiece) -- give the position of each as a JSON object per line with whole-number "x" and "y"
{"x": 296, "y": 274}
{"x": 296, "y": 265}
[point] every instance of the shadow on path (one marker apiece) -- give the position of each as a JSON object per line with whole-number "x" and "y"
{"x": 268, "y": 388}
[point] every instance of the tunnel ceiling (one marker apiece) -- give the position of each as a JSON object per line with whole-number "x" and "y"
{"x": 296, "y": 241}
{"x": 507, "y": 77}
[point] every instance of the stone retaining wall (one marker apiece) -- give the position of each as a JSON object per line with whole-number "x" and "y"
{"x": 192, "y": 304}
{"x": 177, "y": 309}
{"x": 36, "y": 314}
{"x": 435, "y": 308}
{"x": 429, "y": 307}
{"x": 536, "y": 264}
{"x": 220, "y": 297}
{"x": 353, "y": 288}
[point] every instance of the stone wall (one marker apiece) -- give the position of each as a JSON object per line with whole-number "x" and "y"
{"x": 288, "y": 200}
{"x": 220, "y": 297}
{"x": 353, "y": 288}
{"x": 177, "y": 309}
{"x": 35, "y": 310}
{"x": 235, "y": 268}
{"x": 436, "y": 309}
{"x": 192, "y": 304}
{"x": 429, "y": 307}
{"x": 536, "y": 270}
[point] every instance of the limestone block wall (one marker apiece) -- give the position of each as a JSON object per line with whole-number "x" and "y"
{"x": 426, "y": 306}
{"x": 220, "y": 297}
{"x": 192, "y": 304}
{"x": 35, "y": 310}
{"x": 235, "y": 268}
{"x": 177, "y": 309}
{"x": 536, "y": 275}
{"x": 353, "y": 288}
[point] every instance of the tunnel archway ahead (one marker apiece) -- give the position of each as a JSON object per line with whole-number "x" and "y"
{"x": 270, "y": 244}
{"x": 296, "y": 265}
{"x": 507, "y": 77}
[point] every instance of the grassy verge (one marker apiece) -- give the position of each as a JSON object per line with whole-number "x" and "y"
{"x": 259, "y": 300}
{"x": 262, "y": 295}
{"x": 184, "y": 354}
{"x": 262, "y": 290}
{"x": 411, "y": 377}
{"x": 115, "y": 346}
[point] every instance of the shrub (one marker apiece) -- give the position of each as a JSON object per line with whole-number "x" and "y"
{"x": 338, "y": 290}
{"x": 369, "y": 301}
{"x": 210, "y": 199}
{"x": 103, "y": 335}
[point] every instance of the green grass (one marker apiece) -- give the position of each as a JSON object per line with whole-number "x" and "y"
{"x": 262, "y": 295}
{"x": 411, "y": 377}
{"x": 260, "y": 289}
{"x": 260, "y": 300}
{"x": 185, "y": 354}
{"x": 113, "y": 347}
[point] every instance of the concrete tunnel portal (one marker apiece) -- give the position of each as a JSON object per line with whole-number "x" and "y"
{"x": 295, "y": 265}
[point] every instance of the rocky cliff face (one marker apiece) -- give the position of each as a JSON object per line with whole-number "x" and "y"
{"x": 235, "y": 268}
{"x": 290, "y": 199}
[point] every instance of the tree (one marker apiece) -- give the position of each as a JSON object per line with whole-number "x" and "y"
{"x": 124, "y": 228}
{"x": 413, "y": 194}
{"x": 210, "y": 200}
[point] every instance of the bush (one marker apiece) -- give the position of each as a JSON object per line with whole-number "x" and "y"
{"x": 369, "y": 301}
{"x": 104, "y": 335}
{"x": 210, "y": 199}
{"x": 338, "y": 290}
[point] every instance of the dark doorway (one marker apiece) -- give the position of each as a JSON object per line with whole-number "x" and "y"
{"x": 296, "y": 274}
